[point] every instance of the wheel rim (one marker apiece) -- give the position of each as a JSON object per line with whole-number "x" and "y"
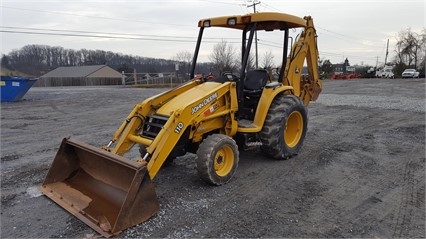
{"x": 294, "y": 129}
{"x": 224, "y": 161}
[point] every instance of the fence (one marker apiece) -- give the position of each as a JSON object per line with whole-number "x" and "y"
{"x": 76, "y": 81}
{"x": 165, "y": 79}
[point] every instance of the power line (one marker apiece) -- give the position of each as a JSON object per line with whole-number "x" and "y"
{"x": 165, "y": 39}
{"x": 270, "y": 7}
{"x": 97, "y": 17}
{"x": 346, "y": 37}
{"x": 342, "y": 36}
{"x": 221, "y": 2}
{"x": 271, "y": 45}
{"x": 90, "y": 32}
{"x": 96, "y": 36}
{"x": 114, "y": 34}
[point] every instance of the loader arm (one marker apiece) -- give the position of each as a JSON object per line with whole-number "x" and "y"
{"x": 131, "y": 124}
{"x": 304, "y": 48}
{"x": 199, "y": 111}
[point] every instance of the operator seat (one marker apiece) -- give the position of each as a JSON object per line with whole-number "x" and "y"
{"x": 255, "y": 81}
{"x": 225, "y": 77}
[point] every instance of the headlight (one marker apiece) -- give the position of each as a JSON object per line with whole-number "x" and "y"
{"x": 232, "y": 21}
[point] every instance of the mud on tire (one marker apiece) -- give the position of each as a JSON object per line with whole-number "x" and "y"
{"x": 285, "y": 127}
{"x": 217, "y": 159}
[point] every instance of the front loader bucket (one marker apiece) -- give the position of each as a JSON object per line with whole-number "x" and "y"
{"x": 107, "y": 192}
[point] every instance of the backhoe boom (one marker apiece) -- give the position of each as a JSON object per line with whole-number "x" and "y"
{"x": 304, "y": 48}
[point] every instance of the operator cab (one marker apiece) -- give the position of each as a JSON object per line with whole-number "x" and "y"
{"x": 250, "y": 83}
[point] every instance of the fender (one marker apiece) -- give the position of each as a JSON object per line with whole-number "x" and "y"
{"x": 268, "y": 95}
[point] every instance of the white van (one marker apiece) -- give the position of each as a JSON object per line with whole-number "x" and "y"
{"x": 386, "y": 72}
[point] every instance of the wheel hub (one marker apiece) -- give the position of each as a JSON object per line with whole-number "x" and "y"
{"x": 293, "y": 129}
{"x": 224, "y": 161}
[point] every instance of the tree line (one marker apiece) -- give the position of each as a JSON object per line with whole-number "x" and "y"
{"x": 37, "y": 60}
{"x": 410, "y": 50}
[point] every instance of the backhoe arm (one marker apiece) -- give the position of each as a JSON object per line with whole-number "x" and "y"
{"x": 305, "y": 48}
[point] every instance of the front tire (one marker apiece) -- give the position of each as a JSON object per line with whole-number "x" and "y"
{"x": 217, "y": 159}
{"x": 285, "y": 127}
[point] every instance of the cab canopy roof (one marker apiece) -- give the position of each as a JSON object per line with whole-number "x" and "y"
{"x": 266, "y": 21}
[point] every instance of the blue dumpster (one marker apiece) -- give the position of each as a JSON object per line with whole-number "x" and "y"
{"x": 14, "y": 88}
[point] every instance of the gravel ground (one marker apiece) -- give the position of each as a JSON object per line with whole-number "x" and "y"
{"x": 361, "y": 171}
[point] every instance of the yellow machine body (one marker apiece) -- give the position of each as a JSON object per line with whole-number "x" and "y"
{"x": 111, "y": 193}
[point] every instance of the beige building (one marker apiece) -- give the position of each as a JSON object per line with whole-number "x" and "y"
{"x": 81, "y": 76}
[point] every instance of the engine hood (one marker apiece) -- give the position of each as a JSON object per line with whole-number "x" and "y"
{"x": 197, "y": 98}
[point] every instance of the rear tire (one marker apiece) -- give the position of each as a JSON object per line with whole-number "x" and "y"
{"x": 217, "y": 159}
{"x": 285, "y": 127}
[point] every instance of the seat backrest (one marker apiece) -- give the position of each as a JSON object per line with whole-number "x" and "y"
{"x": 256, "y": 79}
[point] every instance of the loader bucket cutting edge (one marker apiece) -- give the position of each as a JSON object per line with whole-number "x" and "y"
{"x": 106, "y": 191}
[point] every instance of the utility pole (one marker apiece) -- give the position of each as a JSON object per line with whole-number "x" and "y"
{"x": 387, "y": 52}
{"x": 255, "y": 33}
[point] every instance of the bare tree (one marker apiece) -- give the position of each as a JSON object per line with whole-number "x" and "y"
{"x": 223, "y": 58}
{"x": 410, "y": 47}
{"x": 184, "y": 58}
{"x": 268, "y": 60}
{"x": 422, "y": 64}
{"x": 251, "y": 62}
{"x": 325, "y": 66}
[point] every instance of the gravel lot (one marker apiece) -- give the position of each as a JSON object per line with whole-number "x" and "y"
{"x": 361, "y": 171}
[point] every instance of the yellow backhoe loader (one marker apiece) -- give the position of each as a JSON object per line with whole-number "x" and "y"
{"x": 210, "y": 117}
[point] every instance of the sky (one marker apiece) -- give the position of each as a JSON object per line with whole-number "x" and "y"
{"x": 355, "y": 29}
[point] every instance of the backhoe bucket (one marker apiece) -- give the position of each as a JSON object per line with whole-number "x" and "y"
{"x": 107, "y": 192}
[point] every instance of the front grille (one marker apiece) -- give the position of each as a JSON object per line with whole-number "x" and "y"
{"x": 152, "y": 125}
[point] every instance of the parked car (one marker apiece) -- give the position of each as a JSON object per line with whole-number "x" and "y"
{"x": 387, "y": 73}
{"x": 410, "y": 73}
